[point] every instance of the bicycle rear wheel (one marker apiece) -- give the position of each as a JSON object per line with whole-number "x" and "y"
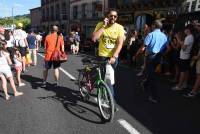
{"x": 105, "y": 102}
{"x": 83, "y": 87}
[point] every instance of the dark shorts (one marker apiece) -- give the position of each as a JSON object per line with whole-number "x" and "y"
{"x": 184, "y": 65}
{"x": 48, "y": 64}
{"x": 22, "y": 51}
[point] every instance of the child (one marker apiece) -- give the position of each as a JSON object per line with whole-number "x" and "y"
{"x": 18, "y": 66}
{"x": 5, "y": 71}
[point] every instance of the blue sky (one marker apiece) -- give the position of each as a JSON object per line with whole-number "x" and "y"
{"x": 20, "y": 7}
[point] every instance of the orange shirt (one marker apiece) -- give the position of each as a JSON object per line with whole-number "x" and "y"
{"x": 50, "y": 43}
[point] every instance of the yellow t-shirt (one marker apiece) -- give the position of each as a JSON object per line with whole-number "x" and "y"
{"x": 107, "y": 41}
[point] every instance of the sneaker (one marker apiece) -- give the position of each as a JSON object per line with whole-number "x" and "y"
{"x": 116, "y": 109}
{"x": 56, "y": 84}
{"x": 152, "y": 100}
{"x": 190, "y": 95}
{"x": 177, "y": 88}
{"x": 21, "y": 84}
{"x": 44, "y": 84}
{"x": 140, "y": 73}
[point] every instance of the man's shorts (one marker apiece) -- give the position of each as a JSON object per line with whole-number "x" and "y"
{"x": 198, "y": 67}
{"x": 22, "y": 51}
{"x": 184, "y": 65}
{"x": 48, "y": 64}
{"x": 7, "y": 72}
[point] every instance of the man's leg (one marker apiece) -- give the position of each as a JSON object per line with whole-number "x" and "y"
{"x": 47, "y": 66}
{"x": 56, "y": 66}
{"x": 56, "y": 74}
{"x": 45, "y": 74}
{"x": 152, "y": 62}
{"x": 34, "y": 57}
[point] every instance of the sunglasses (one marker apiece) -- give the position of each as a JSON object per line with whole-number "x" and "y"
{"x": 111, "y": 16}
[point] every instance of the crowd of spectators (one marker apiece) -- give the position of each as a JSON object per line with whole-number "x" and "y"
{"x": 180, "y": 60}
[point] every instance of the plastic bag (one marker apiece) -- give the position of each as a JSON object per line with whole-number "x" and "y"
{"x": 28, "y": 59}
{"x": 110, "y": 74}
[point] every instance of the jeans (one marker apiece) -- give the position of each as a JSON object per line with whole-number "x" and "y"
{"x": 149, "y": 84}
{"x": 103, "y": 72}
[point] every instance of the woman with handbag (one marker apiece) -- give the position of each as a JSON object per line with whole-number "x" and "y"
{"x": 53, "y": 48}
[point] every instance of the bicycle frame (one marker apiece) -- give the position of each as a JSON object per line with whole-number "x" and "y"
{"x": 97, "y": 81}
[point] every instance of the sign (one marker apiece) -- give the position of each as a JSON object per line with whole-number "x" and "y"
{"x": 197, "y": 6}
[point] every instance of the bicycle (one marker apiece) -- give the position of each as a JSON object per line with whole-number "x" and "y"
{"x": 89, "y": 79}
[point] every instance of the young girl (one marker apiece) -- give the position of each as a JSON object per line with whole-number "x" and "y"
{"x": 18, "y": 66}
{"x": 5, "y": 71}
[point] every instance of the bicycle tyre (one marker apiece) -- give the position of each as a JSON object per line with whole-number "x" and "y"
{"x": 83, "y": 88}
{"x": 104, "y": 92}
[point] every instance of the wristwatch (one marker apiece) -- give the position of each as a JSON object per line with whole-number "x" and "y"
{"x": 114, "y": 57}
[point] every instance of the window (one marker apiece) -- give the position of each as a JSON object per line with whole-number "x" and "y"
{"x": 193, "y": 6}
{"x": 43, "y": 2}
{"x": 57, "y": 12}
{"x": 64, "y": 11}
{"x": 94, "y": 13}
{"x": 75, "y": 12}
{"x": 47, "y": 17}
{"x": 43, "y": 15}
{"x": 52, "y": 13}
{"x": 83, "y": 8}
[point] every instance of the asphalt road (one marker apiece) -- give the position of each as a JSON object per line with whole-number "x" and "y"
{"x": 60, "y": 110}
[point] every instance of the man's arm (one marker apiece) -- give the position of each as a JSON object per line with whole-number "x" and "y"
{"x": 97, "y": 34}
{"x": 99, "y": 30}
{"x": 119, "y": 45}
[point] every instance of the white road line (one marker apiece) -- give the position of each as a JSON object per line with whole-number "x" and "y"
{"x": 128, "y": 127}
{"x": 61, "y": 69}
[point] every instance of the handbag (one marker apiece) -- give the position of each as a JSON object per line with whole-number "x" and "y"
{"x": 57, "y": 55}
{"x": 110, "y": 75}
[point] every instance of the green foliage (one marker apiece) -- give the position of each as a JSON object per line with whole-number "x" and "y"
{"x": 8, "y": 21}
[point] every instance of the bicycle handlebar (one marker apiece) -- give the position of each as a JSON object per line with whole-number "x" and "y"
{"x": 93, "y": 61}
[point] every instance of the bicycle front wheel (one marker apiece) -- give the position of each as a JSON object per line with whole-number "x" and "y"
{"x": 105, "y": 101}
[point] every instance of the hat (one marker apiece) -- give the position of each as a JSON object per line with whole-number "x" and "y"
{"x": 20, "y": 25}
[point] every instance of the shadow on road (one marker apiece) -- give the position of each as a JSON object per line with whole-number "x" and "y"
{"x": 174, "y": 114}
{"x": 70, "y": 99}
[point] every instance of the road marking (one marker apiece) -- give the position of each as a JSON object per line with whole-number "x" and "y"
{"x": 128, "y": 126}
{"x": 61, "y": 69}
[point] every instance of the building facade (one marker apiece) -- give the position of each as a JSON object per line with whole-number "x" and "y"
{"x": 55, "y": 12}
{"x": 84, "y": 14}
{"x": 36, "y": 17}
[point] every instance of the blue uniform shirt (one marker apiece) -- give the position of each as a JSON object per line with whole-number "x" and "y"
{"x": 31, "y": 41}
{"x": 156, "y": 41}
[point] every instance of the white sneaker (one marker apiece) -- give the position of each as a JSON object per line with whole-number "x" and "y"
{"x": 177, "y": 88}
{"x": 21, "y": 84}
{"x": 190, "y": 95}
{"x": 140, "y": 73}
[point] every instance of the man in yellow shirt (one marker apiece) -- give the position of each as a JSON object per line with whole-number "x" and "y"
{"x": 111, "y": 36}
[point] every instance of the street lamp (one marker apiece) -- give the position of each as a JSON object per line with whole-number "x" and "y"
{"x": 13, "y": 25}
